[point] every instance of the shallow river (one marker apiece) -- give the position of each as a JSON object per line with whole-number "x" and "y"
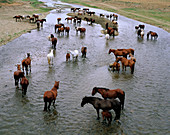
{"x": 147, "y": 90}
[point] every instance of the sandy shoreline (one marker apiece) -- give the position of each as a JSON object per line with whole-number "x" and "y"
{"x": 9, "y": 28}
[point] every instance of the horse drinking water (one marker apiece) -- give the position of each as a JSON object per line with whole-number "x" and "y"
{"x": 50, "y": 96}
{"x": 107, "y": 93}
{"x": 103, "y": 104}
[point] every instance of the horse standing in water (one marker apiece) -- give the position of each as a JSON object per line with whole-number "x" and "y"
{"x": 50, "y": 57}
{"x": 107, "y": 93}
{"x": 107, "y": 115}
{"x": 84, "y": 51}
{"x": 17, "y": 75}
{"x": 140, "y": 33}
{"x": 54, "y": 41}
{"x": 103, "y": 104}
{"x": 153, "y": 35}
{"x": 26, "y": 62}
{"x": 50, "y": 96}
{"x": 115, "y": 65}
{"x": 24, "y": 83}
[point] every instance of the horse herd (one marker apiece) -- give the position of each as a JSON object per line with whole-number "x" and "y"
{"x": 109, "y": 100}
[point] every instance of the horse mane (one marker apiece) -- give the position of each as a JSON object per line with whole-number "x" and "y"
{"x": 101, "y": 88}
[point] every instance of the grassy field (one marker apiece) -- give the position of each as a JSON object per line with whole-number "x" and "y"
{"x": 155, "y": 12}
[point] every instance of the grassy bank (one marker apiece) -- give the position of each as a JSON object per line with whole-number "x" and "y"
{"x": 155, "y": 12}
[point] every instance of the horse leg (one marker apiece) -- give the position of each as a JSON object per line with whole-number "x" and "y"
{"x": 16, "y": 83}
{"x": 30, "y": 67}
{"x": 122, "y": 67}
{"x": 54, "y": 103}
{"x": 97, "y": 114}
{"x": 49, "y": 105}
{"x": 45, "y": 106}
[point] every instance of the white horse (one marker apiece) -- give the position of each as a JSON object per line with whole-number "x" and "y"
{"x": 74, "y": 53}
{"x": 50, "y": 57}
{"x": 107, "y": 36}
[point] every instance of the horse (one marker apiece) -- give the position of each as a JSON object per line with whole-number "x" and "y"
{"x": 18, "y": 17}
{"x": 58, "y": 26}
{"x": 87, "y": 19}
{"x": 50, "y": 96}
{"x": 38, "y": 23}
{"x": 26, "y": 62}
{"x": 82, "y": 30}
{"x": 67, "y": 56}
{"x": 58, "y": 20}
{"x": 50, "y": 57}
{"x": 130, "y": 50}
{"x": 35, "y": 16}
{"x": 24, "y": 83}
{"x": 107, "y": 93}
{"x": 17, "y": 75}
{"x": 69, "y": 19}
{"x": 126, "y": 63}
{"x": 54, "y": 42}
{"x": 103, "y": 104}
{"x": 61, "y": 30}
{"x": 31, "y": 19}
{"x": 67, "y": 30}
{"x": 84, "y": 51}
{"x": 153, "y": 35}
{"x": 115, "y": 65}
{"x": 141, "y": 26}
{"x": 107, "y": 115}
{"x": 42, "y": 21}
{"x": 140, "y": 33}
{"x": 119, "y": 53}
{"x": 115, "y": 17}
{"x": 74, "y": 53}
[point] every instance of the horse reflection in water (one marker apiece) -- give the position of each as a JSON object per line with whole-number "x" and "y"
{"x": 107, "y": 93}
{"x": 50, "y": 96}
{"x": 103, "y": 104}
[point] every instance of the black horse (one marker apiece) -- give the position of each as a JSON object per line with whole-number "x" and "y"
{"x": 103, "y": 104}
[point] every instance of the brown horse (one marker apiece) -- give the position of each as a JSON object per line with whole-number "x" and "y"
{"x": 107, "y": 93}
{"x": 17, "y": 75}
{"x": 58, "y": 26}
{"x": 119, "y": 53}
{"x": 50, "y": 96}
{"x": 67, "y": 56}
{"x": 84, "y": 51}
{"x": 107, "y": 115}
{"x": 126, "y": 63}
{"x": 24, "y": 83}
{"x": 153, "y": 35}
{"x": 54, "y": 42}
{"x": 67, "y": 30}
{"x": 82, "y": 30}
{"x": 35, "y": 16}
{"x": 69, "y": 19}
{"x": 115, "y": 65}
{"x": 61, "y": 30}
{"x": 58, "y": 20}
{"x": 26, "y": 62}
{"x": 18, "y": 17}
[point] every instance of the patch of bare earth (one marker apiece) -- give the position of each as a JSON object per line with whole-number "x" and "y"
{"x": 9, "y": 28}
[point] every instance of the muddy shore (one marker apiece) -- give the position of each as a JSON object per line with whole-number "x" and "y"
{"x": 9, "y": 28}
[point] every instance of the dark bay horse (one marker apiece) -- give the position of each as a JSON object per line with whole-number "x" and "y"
{"x": 103, "y": 104}
{"x": 53, "y": 41}
{"x": 107, "y": 93}
{"x": 26, "y": 62}
{"x": 17, "y": 75}
{"x": 24, "y": 83}
{"x": 50, "y": 96}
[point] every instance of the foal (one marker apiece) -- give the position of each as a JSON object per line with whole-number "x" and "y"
{"x": 107, "y": 115}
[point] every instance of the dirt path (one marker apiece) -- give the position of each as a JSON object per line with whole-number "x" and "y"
{"x": 9, "y": 28}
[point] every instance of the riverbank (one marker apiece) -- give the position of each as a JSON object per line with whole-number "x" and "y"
{"x": 9, "y": 28}
{"x": 148, "y": 11}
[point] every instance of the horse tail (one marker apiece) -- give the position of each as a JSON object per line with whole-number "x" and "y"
{"x": 132, "y": 68}
{"x": 48, "y": 60}
{"x": 123, "y": 100}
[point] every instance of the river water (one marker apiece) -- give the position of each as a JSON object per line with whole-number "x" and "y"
{"x": 147, "y": 90}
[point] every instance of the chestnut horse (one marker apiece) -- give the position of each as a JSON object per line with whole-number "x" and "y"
{"x": 84, "y": 51}
{"x": 58, "y": 26}
{"x": 24, "y": 83}
{"x": 67, "y": 56}
{"x": 17, "y": 75}
{"x": 107, "y": 115}
{"x": 82, "y": 30}
{"x": 50, "y": 96}
{"x": 115, "y": 65}
{"x": 26, "y": 62}
{"x": 54, "y": 41}
{"x": 107, "y": 93}
{"x": 67, "y": 30}
{"x": 153, "y": 35}
{"x": 126, "y": 63}
{"x": 69, "y": 19}
{"x": 119, "y": 53}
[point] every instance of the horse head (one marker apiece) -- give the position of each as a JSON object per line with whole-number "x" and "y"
{"x": 111, "y": 50}
{"x": 94, "y": 91}
{"x": 84, "y": 101}
{"x": 56, "y": 85}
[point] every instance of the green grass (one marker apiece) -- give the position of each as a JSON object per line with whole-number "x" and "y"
{"x": 6, "y": 1}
